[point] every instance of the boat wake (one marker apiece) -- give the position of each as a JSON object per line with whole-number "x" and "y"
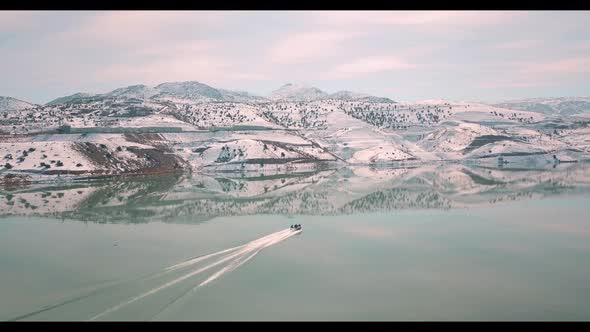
{"x": 189, "y": 271}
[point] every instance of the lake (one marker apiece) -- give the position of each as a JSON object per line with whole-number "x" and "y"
{"x": 435, "y": 242}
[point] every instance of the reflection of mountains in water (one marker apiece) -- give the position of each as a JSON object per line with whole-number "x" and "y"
{"x": 197, "y": 198}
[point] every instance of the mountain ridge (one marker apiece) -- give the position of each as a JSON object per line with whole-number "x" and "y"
{"x": 13, "y": 104}
{"x": 201, "y": 92}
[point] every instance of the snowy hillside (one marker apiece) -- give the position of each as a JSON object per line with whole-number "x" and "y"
{"x": 354, "y": 96}
{"x": 75, "y": 98}
{"x": 303, "y": 93}
{"x": 550, "y": 106}
{"x": 296, "y": 92}
{"x": 8, "y": 104}
{"x": 188, "y": 90}
{"x": 197, "y": 91}
{"x": 191, "y": 126}
{"x": 240, "y": 96}
{"x": 133, "y": 91}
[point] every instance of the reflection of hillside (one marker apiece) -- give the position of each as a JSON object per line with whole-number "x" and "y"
{"x": 396, "y": 199}
{"x": 99, "y": 201}
{"x": 197, "y": 198}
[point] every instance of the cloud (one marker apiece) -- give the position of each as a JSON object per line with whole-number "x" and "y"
{"x": 153, "y": 47}
{"x": 432, "y": 18}
{"x": 130, "y": 28}
{"x": 179, "y": 67}
{"x": 166, "y": 69}
{"x": 563, "y": 66}
{"x": 581, "y": 46}
{"x": 20, "y": 20}
{"x": 308, "y": 46}
{"x": 517, "y": 44}
{"x": 369, "y": 65}
{"x": 442, "y": 53}
{"x": 536, "y": 74}
{"x": 508, "y": 83}
{"x": 188, "y": 48}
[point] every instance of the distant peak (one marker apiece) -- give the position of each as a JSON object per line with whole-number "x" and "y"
{"x": 10, "y": 103}
{"x": 179, "y": 83}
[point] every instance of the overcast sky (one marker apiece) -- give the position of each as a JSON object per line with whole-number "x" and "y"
{"x": 404, "y": 55}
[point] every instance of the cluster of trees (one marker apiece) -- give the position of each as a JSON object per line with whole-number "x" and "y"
{"x": 301, "y": 118}
{"x": 397, "y": 118}
{"x": 514, "y": 116}
{"x": 226, "y": 154}
{"x": 207, "y": 115}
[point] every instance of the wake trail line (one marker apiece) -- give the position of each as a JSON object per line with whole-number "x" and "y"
{"x": 235, "y": 257}
{"x": 99, "y": 290}
{"x": 230, "y": 267}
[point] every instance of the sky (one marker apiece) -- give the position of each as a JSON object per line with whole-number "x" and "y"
{"x": 404, "y": 55}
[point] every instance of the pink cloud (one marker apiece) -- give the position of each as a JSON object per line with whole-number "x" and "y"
{"x": 20, "y": 20}
{"x": 307, "y": 46}
{"x": 152, "y": 50}
{"x": 518, "y": 44}
{"x": 413, "y": 17}
{"x": 582, "y": 46}
{"x": 168, "y": 69}
{"x": 514, "y": 84}
{"x": 179, "y": 67}
{"x": 187, "y": 48}
{"x": 535, "y": 74}
{"x": 130, "y": 28}
{"x": 369, "y": 65}
{"x": 562, "y": 66}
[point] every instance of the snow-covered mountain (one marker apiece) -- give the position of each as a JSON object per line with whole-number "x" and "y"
{"x": 13, "y": 104}
{"x": 305, "y": 93}
{"x": 75, "y": 98}
{"x": 200, "y": 92}
{"x": 191, "y": 91}
{"x": 550, "y": 106}
{"x": 214, "y": 129}
{"x": 133, "y": 91}
{"x": 240, "y": 96}
{"x": 188, "y": 90}
{"x": 349, "y": 96}
{"x": 297, "y": 92}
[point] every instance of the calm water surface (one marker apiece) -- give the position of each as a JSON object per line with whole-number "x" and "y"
{"x": 425, "y": 244}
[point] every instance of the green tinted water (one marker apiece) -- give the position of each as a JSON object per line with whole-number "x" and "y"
{"x": 525, "y": 259}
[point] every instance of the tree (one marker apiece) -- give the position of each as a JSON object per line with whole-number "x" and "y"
{"x": 8, "y": 166}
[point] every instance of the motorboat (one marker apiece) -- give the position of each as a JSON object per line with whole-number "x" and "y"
{"x": 296, "y": 227}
